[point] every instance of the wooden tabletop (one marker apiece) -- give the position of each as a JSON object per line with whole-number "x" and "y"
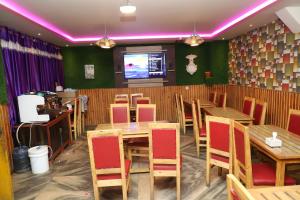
{"x": 228, "y": 112}
{"x": 203, "y": 103}
{"x": 276, "y": 193}
{"x": 290, "y": 148}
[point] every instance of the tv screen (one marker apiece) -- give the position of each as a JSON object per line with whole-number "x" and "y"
{"x": 144, "y": 65}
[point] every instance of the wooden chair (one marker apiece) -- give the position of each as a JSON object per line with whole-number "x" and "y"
{"x": 213, "y": 97}
{"x": 236, "y": 190}
{"x": 293, "y": 124}
{"x": 143, "y": 100}
{"x": 76, "y": 122}
{"x": 222, "y": 100}
{"x": 109, "y": 169}
{"x": 121, "y": 100}
{"x": 199, "y": 129}
{"x": 219, "y": 144}
{"x": 186, "y": 115}
{"x": 139, "y": 147}
{"x": 133, "y": 98}
{"x": 248, "y": 106}
{"x": 251, "y": 174}
{"x": 164, "y": 156}
{"x": 119, "y": 113}
{"x": 121, "y": 96}
{"x": 259, "y": 112}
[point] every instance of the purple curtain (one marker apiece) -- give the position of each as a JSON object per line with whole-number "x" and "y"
{"x": 30, "y": 64}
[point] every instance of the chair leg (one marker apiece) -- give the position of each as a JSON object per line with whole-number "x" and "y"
{"x": 207, "y": 173}
{"x": 151, "y": 186}
{"x": 198, "y": 148}
{"x": 96, "y": 192}
{"x": 184, "y": 129}
{"x": 219, "y": 171}
{"x": 124, "y": 191}
{"x": 178, "y": 187}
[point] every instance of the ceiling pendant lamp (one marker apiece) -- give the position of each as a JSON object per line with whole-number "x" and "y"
{"x": 194, "y": 40}
{"x": 105, "y": 42}
{"x": 127, "y": 8}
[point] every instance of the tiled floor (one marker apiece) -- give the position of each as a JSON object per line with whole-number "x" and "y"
{"x": 70, "y": 178}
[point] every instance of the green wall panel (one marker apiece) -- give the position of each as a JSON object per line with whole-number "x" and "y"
{"x": 3, "y": 97}
{"x": 76, "y": 57}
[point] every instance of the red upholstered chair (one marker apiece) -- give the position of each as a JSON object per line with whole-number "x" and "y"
{"x": 219, "y": 144}
{"x": 252, "y": 174}
{"x": 259, "y": 112}
{"x": 143, "y": 100}
{"x": 145, "y": 113}
{"x": 107, "y": 161}
{"x": 119, "y": 113}
{"x": 248, "y": 106}
{"x": 164, "y": 156}
{"x": 133, "y": 98}
{"x": 293, "y": 124}
{"x": 236, "y": 190}
{"x": 121, "y": 100}
{"x": 186, "y": 114}
{"x": 199, "y": 129}
{"x": 222, "y": 100}
{"x": 212, "y": 97}
{"x": 121, "y": 96}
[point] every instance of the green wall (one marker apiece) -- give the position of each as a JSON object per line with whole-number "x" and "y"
{"x": 211, "y": 56}
{"x": 76, "y": 57}
{"x": 3, "y": 97}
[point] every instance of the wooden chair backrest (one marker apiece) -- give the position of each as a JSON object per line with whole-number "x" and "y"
{"x": 242, "y": 154}
{"x": 248, "y": 106}
{"x": 133, "y": 98}
{"x": 222, "y": 100}
{"x": 182, "y": 108}
{"x": 197, "y": 118}
{"x": 145, "y": 112}
{"x": 119, "y": 113}
{"x": 212, "y": 97}
{"x": 219, "y": 141}
{"x": 236, "y": 190}
{"x": 178, "y": 108}
{"x": 260, "y": 112}
{"x": 294, "y": 121}
{"x": 106, "y": 153}
{"x": 143, "y": 100}
{"x": 121, "y": 100}
{"x": 121, "y": 96}
{"x": 164, "y": 144}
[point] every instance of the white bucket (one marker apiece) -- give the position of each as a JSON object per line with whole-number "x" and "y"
{"x": 39, "y": 159}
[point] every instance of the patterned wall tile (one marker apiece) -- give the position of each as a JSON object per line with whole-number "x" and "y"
{"x": 267, "y": 57}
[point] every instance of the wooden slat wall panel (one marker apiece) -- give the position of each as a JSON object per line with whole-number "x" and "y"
{"x": 279, "y": 102}
{"x": 163, "y": 97}
{"x": 5, "y": 126}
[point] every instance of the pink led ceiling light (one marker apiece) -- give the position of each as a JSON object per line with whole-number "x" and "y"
{"x": 38, "y": 20}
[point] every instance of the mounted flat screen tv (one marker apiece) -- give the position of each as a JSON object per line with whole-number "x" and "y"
{"x": 145, "y": 65}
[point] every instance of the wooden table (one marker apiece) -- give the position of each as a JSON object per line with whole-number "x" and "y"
{"x": 287, "y": 154}
{"x": 230, "y": 113}
{"x": 276, "y": 193}
{"x": 130, "y": 130}
{"x": 203, "y": 104}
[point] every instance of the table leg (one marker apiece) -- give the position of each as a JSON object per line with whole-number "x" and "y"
{"x": 280, "y": 173}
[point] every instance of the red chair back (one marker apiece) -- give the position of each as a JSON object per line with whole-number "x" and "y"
{"x": 222, "y": 100}
{"x": 119, "y": 113}
{"x": 259, "y": 112}
{"x": 248, "y": 106}
{"x": 164, "y": 143}
{"x": 219, "y": 136}
{"x": 294, "y": 121}
{"x": 143, "y": 100}
{"x": 146, "y": 113}
{"x": 212, "y": 97}
{"x": 106, "y": 152}
{"x": 121, "y": 100}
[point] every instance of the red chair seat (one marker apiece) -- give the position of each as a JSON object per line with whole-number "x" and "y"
{"x": 264, "y": 174}
{"x": 188, "y": 115}
{"x": 166, "y": 167}
{"x": 116, "y": 176}
{"x": 220, "y": 158}
{"x": 202, "y": 131}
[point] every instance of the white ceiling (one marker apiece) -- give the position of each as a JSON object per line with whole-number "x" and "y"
{"x": 82, "y": 18}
